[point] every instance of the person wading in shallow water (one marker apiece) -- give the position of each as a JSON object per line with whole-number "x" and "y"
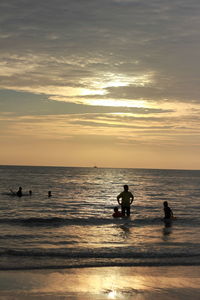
{"x": 167, "y": 211}
{"x": 125, "y": 199}
{"x": 19, "y": 192}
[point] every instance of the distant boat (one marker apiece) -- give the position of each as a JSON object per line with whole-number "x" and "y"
{"x": 95, "y": 167}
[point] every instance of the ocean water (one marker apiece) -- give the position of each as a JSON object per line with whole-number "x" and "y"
{"x": 75, "y": 228}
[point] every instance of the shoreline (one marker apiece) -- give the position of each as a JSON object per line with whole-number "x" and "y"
{"x": 140, "y": 283}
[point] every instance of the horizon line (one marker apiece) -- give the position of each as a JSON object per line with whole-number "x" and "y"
{"x": 97, "y": 167}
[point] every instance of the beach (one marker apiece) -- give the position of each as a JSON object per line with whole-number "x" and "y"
{"x": 140, "y": 283}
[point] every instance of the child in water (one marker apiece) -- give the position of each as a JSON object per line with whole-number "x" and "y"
{"x": 167, "y": 211}
{"x": 117, "y": 213}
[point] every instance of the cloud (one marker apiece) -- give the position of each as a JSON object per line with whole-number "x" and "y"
{"x": 64, "y": 47}
{"x": 64, "y": 57}
{"x": 113, "y": 129}
{"x": 31, "y": 104}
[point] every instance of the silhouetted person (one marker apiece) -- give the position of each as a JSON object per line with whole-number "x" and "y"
{"x": 126, "y": 200}
{"x": 30, "y": 193}
{"x": 117, "y": 213}
{"x": 167, "y": 211}
{"x": 49, "y": 194}
{"x": 19, "y": 192}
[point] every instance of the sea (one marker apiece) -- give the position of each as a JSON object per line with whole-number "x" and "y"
{"x": 74, "y": 228}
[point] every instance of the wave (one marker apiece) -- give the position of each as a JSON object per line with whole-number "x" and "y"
{"x": 56, "y": 260}
{"x": 97, "y": 265}
{"x": 55, "y": 221}
{"x": 58, "y": 221}
{"x": 92, "y": 221}
{"x": 87, "y": 254}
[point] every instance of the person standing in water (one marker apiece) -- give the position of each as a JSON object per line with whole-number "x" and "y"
{"x": 125, "y": 199}
{"x": 19, "y": 192}
{"x": 167, "y": 211}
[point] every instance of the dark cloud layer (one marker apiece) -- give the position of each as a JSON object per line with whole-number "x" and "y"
{"x": 70, "y": 43}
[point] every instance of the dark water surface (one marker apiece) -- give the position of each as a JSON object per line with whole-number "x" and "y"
{"x": 75, "y": 227}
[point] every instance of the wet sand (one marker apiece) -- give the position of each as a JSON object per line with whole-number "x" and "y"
{"x": 138, "y": 283}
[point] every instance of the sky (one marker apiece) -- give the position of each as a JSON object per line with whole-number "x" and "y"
{"x": 111, "y": 83}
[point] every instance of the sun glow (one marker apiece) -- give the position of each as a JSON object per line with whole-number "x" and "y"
{"x": 116, "y": 103}
{"x": 88, "y": 92}
{"x": 100, "y": 84}
{"x": 120, "y": 80}
{"x": 93, "y": 89}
